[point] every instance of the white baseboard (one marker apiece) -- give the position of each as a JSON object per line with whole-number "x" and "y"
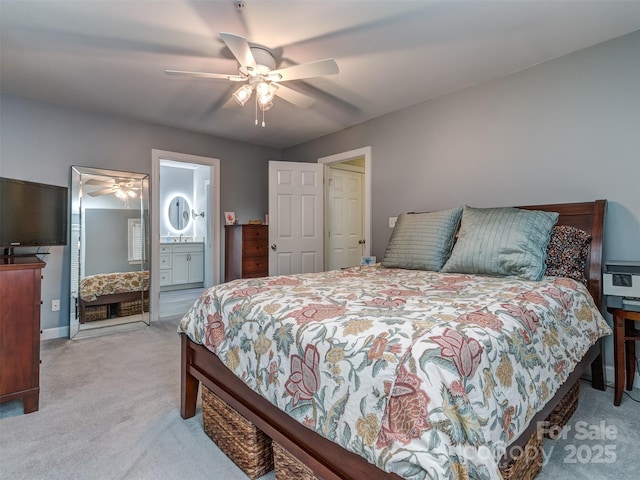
{"x": 58, "y": 332}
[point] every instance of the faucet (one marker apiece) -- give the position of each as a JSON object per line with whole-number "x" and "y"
{"x": 180, "y": 237}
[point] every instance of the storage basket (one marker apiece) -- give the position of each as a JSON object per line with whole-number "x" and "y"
{"x": 288, "y": 467}
{"x": 528, "y": 463}
{"x": 560, "y": 415}
{"x": 245, "y": 444}
{"x": 99, "y": 312}
{"x": 525, "y": 466}
{"x": 132, "y": 307}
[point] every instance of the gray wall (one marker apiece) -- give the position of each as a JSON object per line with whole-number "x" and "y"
{"x": 39, "y": 142}
{"x": 107, "y": 241}
{"x": 563, "y": 131}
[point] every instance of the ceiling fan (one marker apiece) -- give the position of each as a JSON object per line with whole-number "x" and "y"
{"x": 122, "y": 190}
{"x": 257, "y": 67}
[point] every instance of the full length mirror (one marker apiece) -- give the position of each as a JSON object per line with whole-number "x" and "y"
{"x": 109, "y": 274}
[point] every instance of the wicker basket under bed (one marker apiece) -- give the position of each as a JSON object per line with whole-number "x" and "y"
{"x": 92, "y": 314}
{"x": 288, "y": 467}
{"x": 133, "y": 307}
{"x": 560, "y": 415}
{"x": 239, "y": 439}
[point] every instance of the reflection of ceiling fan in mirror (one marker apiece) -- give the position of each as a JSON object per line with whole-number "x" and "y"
{"x": 122, "y": 190}
{"x": 257, "y": 67}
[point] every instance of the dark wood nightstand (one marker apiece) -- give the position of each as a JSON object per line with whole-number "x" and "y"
{"x": 624, "y": 349}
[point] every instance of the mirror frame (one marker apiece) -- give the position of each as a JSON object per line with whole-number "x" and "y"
{"x": 79, "y": 192}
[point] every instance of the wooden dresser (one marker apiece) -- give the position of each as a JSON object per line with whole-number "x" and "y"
{"x": 246, "y": 251}
{"x": 20, "y": 279}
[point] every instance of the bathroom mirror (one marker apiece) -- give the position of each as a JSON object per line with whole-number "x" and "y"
{"x": 179, "y": 212}
{"x": 109, "y": 273}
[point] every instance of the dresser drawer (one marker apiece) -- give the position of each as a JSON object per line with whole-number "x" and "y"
{"x": 255, "y": 267}
{"x": 255, "y": 232}
{"x": 254, "y": 248}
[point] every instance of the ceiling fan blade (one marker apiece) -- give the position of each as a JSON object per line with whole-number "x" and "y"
{"x": 305, "y": 70}
{"x": 240, "y": 49}
{"x": 104, "y": 183}
{"x": 298, "y": 99}
{"x": 221, "y": 76}
{"x": 231, "y": 103}
{"x": 100, "y": 192}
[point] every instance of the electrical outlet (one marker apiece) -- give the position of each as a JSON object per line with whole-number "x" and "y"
{"x": 55, "y": 305}
{"x": 392, "y": 221}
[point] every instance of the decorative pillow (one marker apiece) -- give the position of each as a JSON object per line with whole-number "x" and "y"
{"x": 502, "y": 242}
{"x": 422, "y": 241}
{"x": 567, "y": 253}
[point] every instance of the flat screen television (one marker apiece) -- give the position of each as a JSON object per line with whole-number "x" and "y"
{"x": 32, "y": 214}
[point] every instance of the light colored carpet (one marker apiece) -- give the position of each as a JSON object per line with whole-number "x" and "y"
{"x": 109, "y": 409}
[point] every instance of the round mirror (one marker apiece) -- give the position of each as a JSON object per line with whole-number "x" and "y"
{"x": 179, "y": 212}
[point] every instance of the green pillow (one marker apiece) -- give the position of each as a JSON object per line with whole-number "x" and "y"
{"x": 422, "y": 241}
{"x": 502, "y": 242}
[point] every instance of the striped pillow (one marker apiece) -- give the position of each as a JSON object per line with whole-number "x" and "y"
{"x": 502, "y": 242}
{"x": 422, "y": 241}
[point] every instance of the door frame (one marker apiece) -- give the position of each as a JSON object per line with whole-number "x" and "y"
{"x": 343, "y": 157}
{"x": 213, "y": 212}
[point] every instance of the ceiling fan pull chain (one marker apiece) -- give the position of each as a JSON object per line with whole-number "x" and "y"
{"x": 263, "y": 124}
{"x": 256, "y": 110}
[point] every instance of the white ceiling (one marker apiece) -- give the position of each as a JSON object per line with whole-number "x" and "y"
{"x": 109, "y": 56}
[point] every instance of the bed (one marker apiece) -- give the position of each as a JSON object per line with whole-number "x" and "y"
{"x": 349, "y": 420}
{"x": 127, "y": 290}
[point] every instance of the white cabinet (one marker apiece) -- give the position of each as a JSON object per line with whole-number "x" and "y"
{"x": 165, "y": 265}
{"x": 181, "y": 264}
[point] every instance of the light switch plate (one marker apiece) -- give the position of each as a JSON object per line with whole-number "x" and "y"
{"x": 392, "y": 221}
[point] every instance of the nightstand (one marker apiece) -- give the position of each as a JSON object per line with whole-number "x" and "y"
{"x": 624, "y": 349}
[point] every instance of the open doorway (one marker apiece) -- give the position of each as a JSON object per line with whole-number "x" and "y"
{"x": 185, "y": 230}
{"x": 347, "y": 207}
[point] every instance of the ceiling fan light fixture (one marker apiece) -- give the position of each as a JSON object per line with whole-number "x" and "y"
{"x": 120, "y": 194}
{"x": 242, "y": 94}
{"x": 265, "y": 106}
{"x": 266, "y": 92}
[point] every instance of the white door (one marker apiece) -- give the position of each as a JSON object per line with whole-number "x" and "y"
{"x": 296, "y": 230}
{"x": 345, "y": 229}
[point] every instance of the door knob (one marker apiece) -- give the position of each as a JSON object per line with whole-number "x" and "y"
{"x": 361, "y": 242}
{"x": 273, "y": 247}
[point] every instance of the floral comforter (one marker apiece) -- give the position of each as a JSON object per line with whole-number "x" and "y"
{"x": 93, "y": 286}
{"x": 424, "y": 374}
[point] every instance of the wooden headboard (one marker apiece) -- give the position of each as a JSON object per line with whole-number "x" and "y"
{"x": 587, "y": 216}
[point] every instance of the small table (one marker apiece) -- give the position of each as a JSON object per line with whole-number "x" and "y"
{"x": 624, "y": 345}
